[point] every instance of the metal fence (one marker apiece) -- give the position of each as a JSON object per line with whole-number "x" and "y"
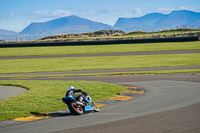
{"x": 19, "y": 38}
{"x": 152, "y": 40}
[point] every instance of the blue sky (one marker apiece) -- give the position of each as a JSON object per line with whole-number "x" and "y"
{"x": 17, "y": 14}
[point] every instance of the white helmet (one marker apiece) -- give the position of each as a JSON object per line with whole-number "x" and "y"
{"x": 71, "y": 88}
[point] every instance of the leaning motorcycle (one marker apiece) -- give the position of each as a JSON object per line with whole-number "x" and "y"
{"x": 79, "y": 104}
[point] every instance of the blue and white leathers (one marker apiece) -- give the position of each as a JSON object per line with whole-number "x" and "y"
{"x": 79, "y": 104}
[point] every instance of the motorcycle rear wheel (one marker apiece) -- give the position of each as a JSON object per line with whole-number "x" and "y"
{"x": 75, "y": 109}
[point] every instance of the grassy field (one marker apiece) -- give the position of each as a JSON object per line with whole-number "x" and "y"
{"x": 93, "y": 63}
{"x": 165, "y": 32}
{"x": 61, "y": 50}
{"x": 44, "y": 96}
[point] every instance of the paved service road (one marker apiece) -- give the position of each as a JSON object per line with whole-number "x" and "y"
{"x": 105, "y": 70}
{"x": 160, "y": 97}
{"x": 10, "y": 91}
{"x": 103, "y": 54}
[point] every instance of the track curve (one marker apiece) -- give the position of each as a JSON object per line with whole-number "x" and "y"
{"x": 159, "y": 96}
{"x": 10, "y": 91}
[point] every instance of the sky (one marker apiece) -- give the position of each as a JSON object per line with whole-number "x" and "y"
{"x": 15, "y": 15}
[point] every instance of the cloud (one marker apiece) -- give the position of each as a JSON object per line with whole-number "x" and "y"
{"x": 56, "y": 13}
{"x": 165, "y": 10}
{"x": 169, "y": 10}
{"x": 42, "y": 13}
{"x": 137, "y": 10}
{"x": 183, "y": 8}
{"x": 106, "y": 10}
{"x": 110, "y": 10}
{"x": 61, "y": 13}
{"x": 9, "y": 14}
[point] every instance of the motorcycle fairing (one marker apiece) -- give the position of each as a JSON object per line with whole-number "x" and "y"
{"x": 68, "y": 99}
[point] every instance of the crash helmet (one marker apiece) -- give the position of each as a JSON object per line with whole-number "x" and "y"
{"x": 71, "y": 88}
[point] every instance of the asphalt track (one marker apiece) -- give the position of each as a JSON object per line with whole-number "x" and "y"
{"x": 171, "y": 103}
{"x": 166, "y": 106}
{"x": 10, "y": 91}
{"x": 104, "y": 71}
{"x": 104, "y": 54}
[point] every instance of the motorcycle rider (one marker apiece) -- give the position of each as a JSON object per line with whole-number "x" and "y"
{"x": 71, "y": 91}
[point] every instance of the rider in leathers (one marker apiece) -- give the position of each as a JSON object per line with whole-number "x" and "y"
{"x": 73, "y": 91}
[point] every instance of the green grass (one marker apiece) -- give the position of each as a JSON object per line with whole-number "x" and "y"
{"x": 94, "y": 63}
{"x": 45, "y": 96}
{"x": 165, "y": 32}
{"x": 61, "y": 50}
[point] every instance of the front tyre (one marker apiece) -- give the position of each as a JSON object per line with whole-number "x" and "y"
{"x": 95, "y": 107}
{"x": 75, "y": 109}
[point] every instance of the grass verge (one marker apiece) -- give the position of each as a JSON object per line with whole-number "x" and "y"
{"x": 95, "y": 63}
{"x": 44, "y": 96}
{"x": 62, "y": 50}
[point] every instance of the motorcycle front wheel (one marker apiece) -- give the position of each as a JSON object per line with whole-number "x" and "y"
{"x": 95, "y": 107}
{"x": 75, "y": 109}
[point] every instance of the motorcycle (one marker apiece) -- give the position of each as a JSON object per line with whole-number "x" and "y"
{"x": 79, "y": 104}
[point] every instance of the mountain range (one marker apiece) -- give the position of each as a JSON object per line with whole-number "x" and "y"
{"x": 7, "y": 32}
{"x": 158, "y": 21}
{"x": 149, "y": 22}
{"x": 70, "y": 24}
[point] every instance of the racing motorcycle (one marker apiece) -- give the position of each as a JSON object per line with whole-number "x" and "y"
{"x": 80, "y": 103}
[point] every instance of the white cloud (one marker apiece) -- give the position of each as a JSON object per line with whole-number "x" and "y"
{"x": 165, "y": 10}
{"x": 110, "y": 10}
{"x": 56, "y": 13}
{"x": 183, "y": 8}
{"x": 42, "y": 13}
{"x": 61, "y": 13}
{"x": 137, "y": 10}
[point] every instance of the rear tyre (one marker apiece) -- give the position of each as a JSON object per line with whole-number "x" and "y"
{"x": 75, "y": 109}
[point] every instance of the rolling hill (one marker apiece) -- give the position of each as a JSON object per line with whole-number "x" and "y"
{"x": 157, "y": 21}
{"x": 70, "y": 24}
{"x": 7, "y": 32}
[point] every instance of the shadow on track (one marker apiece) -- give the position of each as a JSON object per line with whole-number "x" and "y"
{"x": 52, "y": 114}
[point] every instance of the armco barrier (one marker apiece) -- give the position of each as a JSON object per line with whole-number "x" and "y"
{"x": 153, "y": 40}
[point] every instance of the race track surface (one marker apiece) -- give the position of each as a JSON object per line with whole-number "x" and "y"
{"x": 172, "y": 121}
{"x": 160, "y": 98}
{"x": 10, "y": 91}
{"x": 105, "y": 70}
{"x": 105, "y": 54}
